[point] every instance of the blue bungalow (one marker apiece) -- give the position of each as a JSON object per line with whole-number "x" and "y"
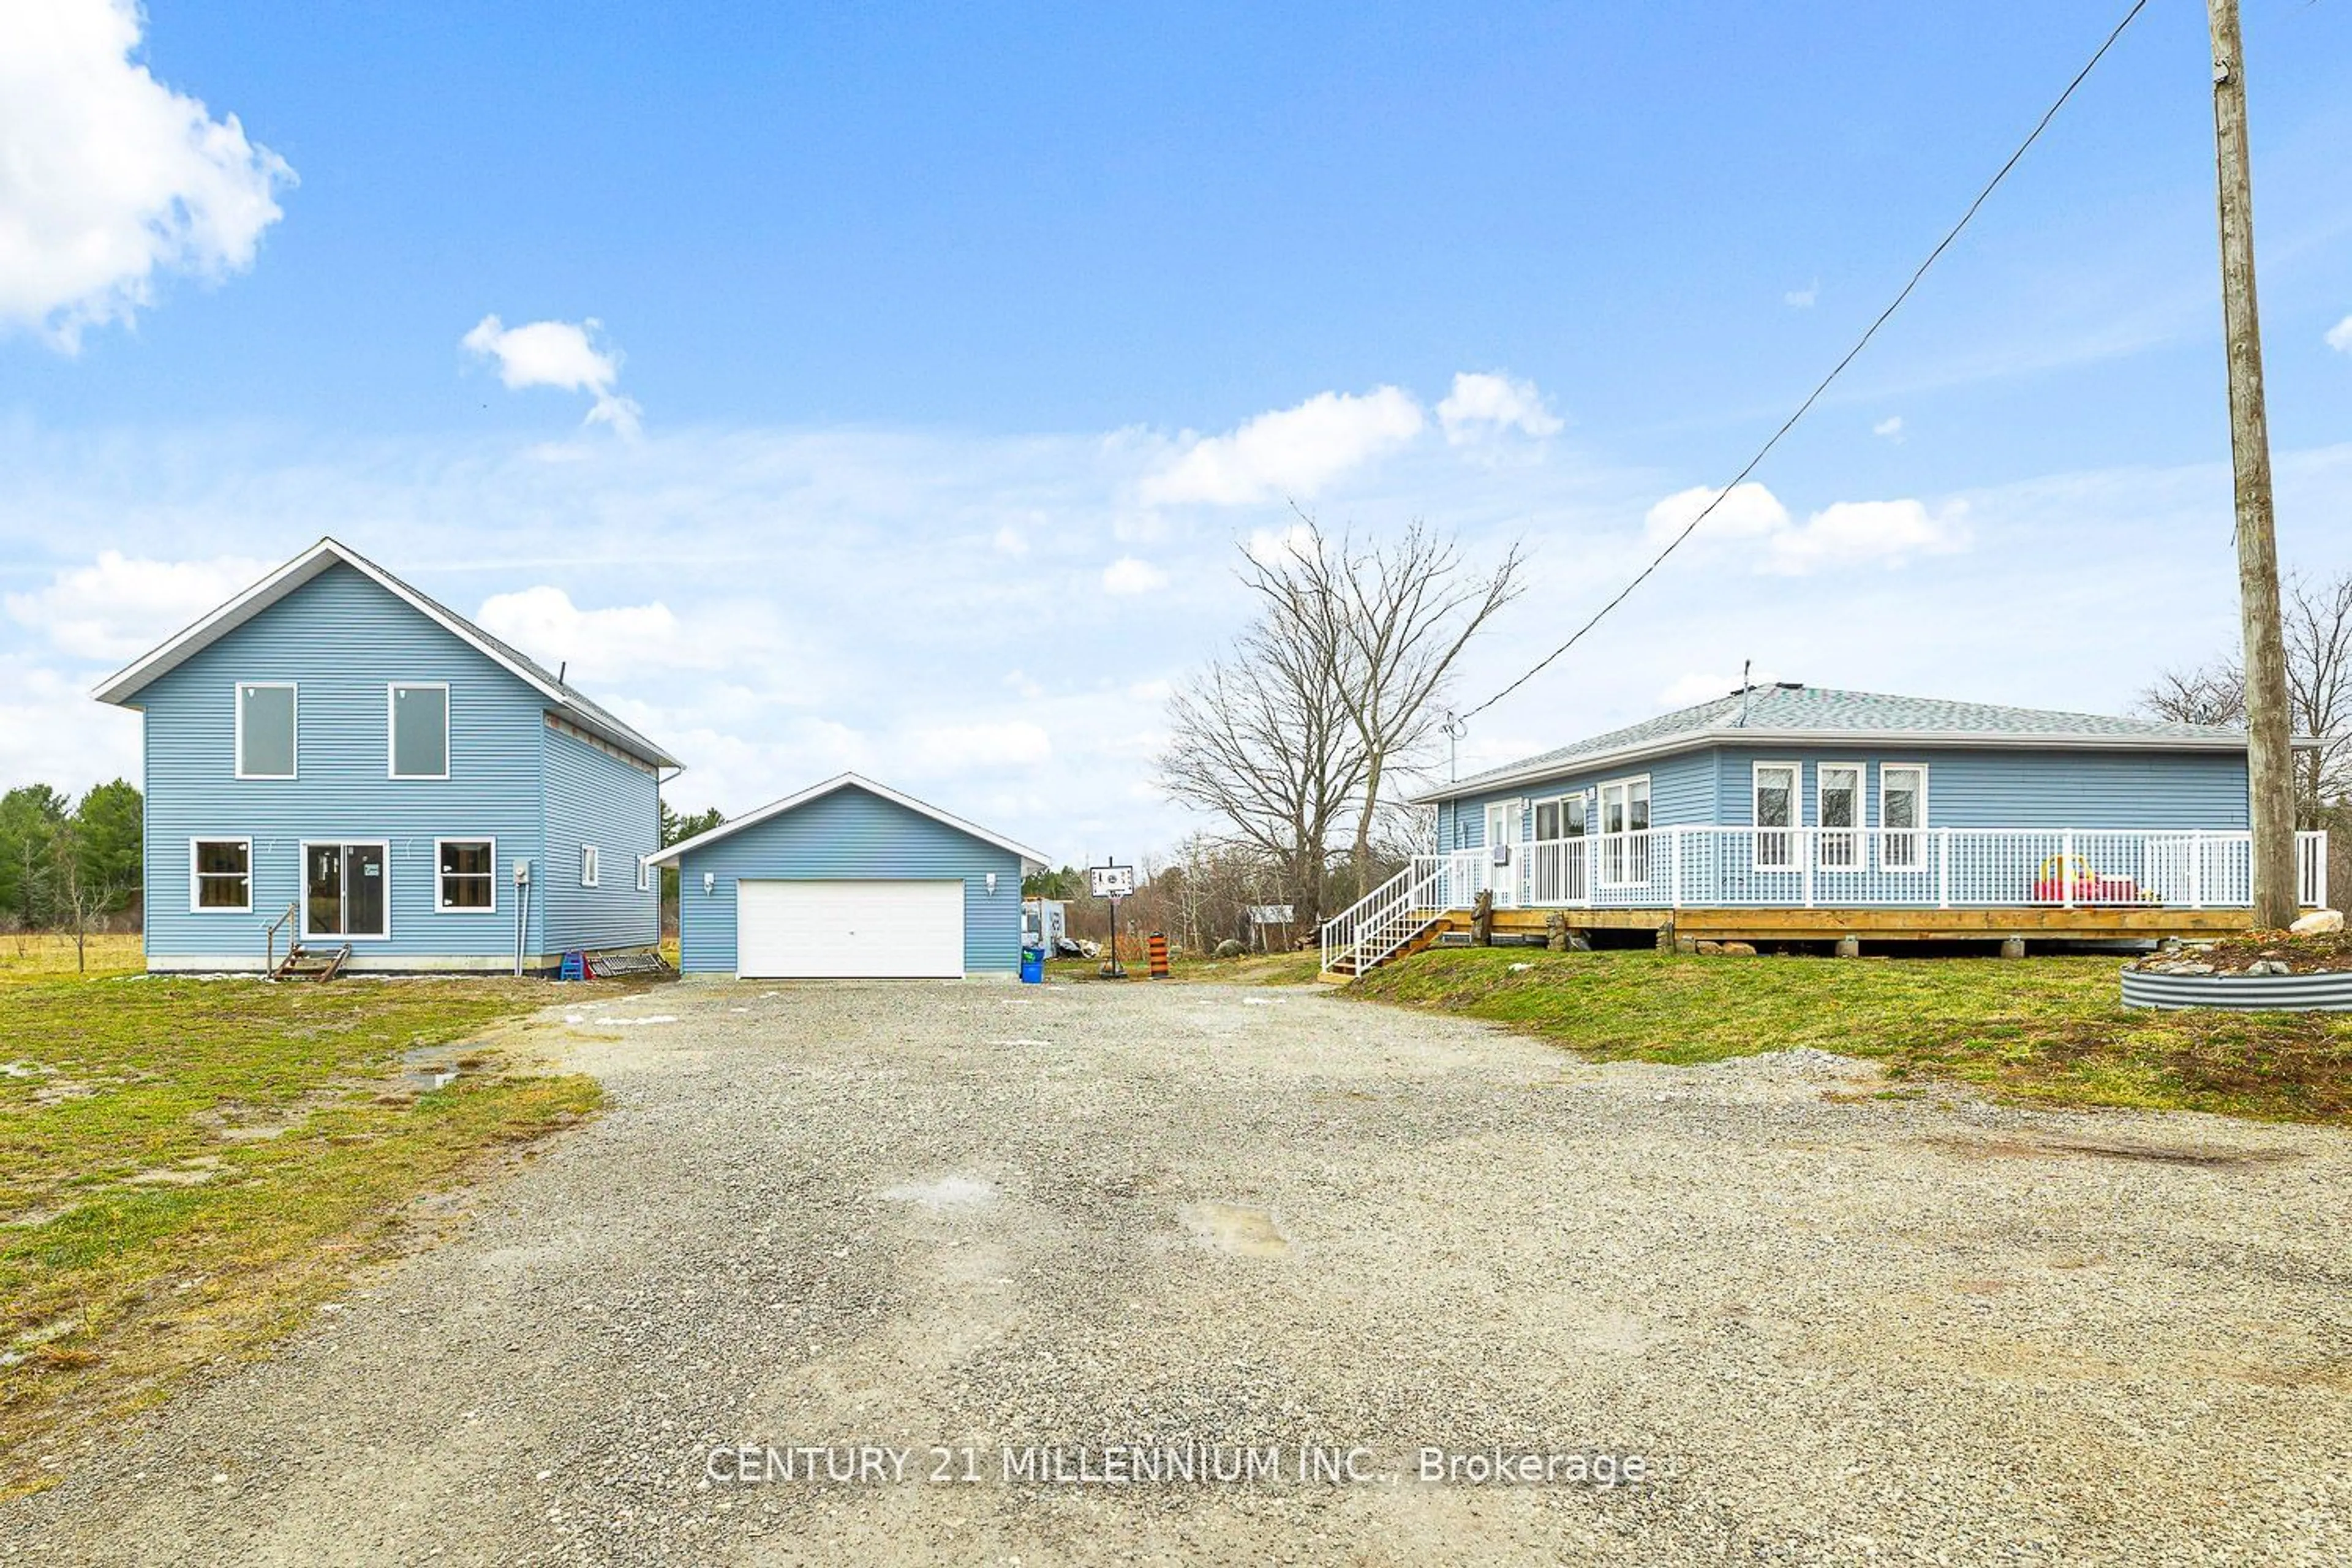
{"x": 1789, "y": 812}
{"x": 336, "y": 760}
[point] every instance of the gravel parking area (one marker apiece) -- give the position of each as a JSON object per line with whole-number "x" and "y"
{"x": 1838, "y": 1327}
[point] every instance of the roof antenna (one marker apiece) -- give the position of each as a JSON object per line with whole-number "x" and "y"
{"x": 560, "y": 669}
{"x": 1744, "y": 666}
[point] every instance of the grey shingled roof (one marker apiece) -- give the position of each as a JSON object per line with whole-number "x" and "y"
{"x": 1783, "y": 711}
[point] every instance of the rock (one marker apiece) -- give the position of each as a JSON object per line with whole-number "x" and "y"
{"x": 1555, "y": 931}
{"x": 2269, "y": 966}
{"x": 1739, "y": 950}
{"x": 1229, "y": 948}
{"x": 2318, "y": 922}
{"x": 1709, "y": 949}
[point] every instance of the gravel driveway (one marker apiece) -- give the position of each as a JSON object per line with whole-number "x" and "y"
{"x": 1835, "y": 1327}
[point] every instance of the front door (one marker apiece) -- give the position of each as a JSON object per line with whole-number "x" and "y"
{"x": 1503, "y": 819}
{"x": 343, "y": 892}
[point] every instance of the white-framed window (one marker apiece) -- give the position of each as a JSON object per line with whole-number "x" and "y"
{"x": 416, "y": 729}
{"x": 1774, "y": 788}
{"x": 266, "y": 729}
{"x": 466, "y": 876}
{"x": 1903, "y": 815}
{"x": 1840, "y": 808}
{"x": 1625, "y": 813}
{"x": 1560, "y": 818}
{"x": 587, "y": 865}
{"x": 1502, "y": 822}
{"x": 220, "y": 876}
{"x": 645, "y": 875}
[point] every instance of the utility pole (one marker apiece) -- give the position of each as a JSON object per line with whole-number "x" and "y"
{"x": 2270, "y": 780}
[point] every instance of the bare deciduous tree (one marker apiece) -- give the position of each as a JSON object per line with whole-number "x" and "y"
{"x": 1404, "y": 613}
{"x": 1329, "y": 694}
{"x": 1261, "y": 738}
{"x": 2318, "y": 626}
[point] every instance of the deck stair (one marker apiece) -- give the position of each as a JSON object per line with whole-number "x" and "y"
{"x": 320, "y": 963}
{"x": 1402, "y": 916}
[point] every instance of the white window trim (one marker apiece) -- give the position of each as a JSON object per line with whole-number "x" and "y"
{"x": 1920, "y": 866}
{"x": 236, "y": 707}
{"x": 440, "y": 908}
{"x": 590, "y": 867}
{"x": 1559, "y": 803}
{"x": 1795, "y": 830}
{"x": 302, "y": 889}
{"x": 392, "y": 691}
{"x": 1857, "y": 832}
{"x": 196, "y": 879}
{"x": 1616, "y": 858}
{"x": 645, "y": 874}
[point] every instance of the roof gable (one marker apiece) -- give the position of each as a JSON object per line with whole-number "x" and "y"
{"x": 675, "y": 852}
{"x": 1788, "y": 713}
{"x": 291, "y": 578}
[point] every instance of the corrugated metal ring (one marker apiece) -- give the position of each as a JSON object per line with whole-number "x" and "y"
{"x": 2325, "y": 993}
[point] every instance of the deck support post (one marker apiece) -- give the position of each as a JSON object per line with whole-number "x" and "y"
{"x": 1849, "y": 946}
{"x": 2012, "y": 947}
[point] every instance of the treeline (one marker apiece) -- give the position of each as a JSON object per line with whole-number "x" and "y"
{"x": 68, "y": 863}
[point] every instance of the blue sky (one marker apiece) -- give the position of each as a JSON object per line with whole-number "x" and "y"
{"x": 942, "y": 359}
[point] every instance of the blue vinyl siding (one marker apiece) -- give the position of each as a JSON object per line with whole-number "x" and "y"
{"x": 850, "y": 834}
{"x": 1681, "y": 791}
{"x": 1980, "y": 787}
{"x": 1988, "y": 787}
{"x": 593, "y": 797}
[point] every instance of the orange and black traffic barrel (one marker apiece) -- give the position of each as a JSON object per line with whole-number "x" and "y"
{"x": 1158, "y": 953}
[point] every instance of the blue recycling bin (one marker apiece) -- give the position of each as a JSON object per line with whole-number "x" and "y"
{"x": 1032, "y": 967}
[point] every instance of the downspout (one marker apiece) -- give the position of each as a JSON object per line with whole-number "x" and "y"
{"x": 522, "y": 911}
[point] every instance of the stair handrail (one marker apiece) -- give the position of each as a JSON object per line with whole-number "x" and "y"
{"x": 269, "y": 941}
{"x": 1380, "y": 922}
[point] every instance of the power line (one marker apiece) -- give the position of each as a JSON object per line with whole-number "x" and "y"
{"x": 1835, "y": 371}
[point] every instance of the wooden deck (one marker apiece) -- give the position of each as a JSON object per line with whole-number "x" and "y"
{"x": 2045, "y": 922}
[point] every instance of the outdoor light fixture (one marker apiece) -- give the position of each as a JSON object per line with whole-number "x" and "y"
{"x": 709, "y": 883}
{"x": 992, "y": 884}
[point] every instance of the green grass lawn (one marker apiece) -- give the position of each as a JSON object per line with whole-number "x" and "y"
{"x": 46, "y": 955}
{"x": 188, "y": 1167}
{"x": 2039, "y": 1028}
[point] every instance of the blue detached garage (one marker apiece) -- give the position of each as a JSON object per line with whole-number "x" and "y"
{"x": 847, "y": 879}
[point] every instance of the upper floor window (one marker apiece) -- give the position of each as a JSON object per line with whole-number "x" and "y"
{"x": 420, "y": 732}
{"x": 587, "y": 865}
{"x": 265, "y": 729}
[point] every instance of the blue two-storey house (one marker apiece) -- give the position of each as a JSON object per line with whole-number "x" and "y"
{"x": 334, "y": 760}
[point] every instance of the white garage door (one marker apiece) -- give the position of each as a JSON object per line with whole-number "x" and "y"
{"x": 817, "y": 930}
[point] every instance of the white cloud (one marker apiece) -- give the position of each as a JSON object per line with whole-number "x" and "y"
{"x": 110, "y": 180}
{"x": 561, "y": 354}
{"x": 1290, "y": 452}
{"x": 1849, "y": 533}
{"x": 591, "y": 644}
{"x": 961, "y": 747}
{"x": 1866, "y": 532}
{"x": 1890, "y": 428}
{"x": 1010, "y": 540}
{"x": 2339, "y": 336}
{"x": 1483, "y": 405}
{"x": 1803, "y": 298}
{"x": 119, "y": 607}
{"x": 1701, "y": 686}
{"x": 1275, "y": 546}
{"x": 1128, "y": 575}
{"x": 1746, "y": 513}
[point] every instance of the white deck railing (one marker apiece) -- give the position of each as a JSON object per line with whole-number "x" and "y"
{"x": 1826, "y": 868}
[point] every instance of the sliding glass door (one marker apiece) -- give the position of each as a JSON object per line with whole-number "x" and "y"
{"x": 344, "y": 891}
